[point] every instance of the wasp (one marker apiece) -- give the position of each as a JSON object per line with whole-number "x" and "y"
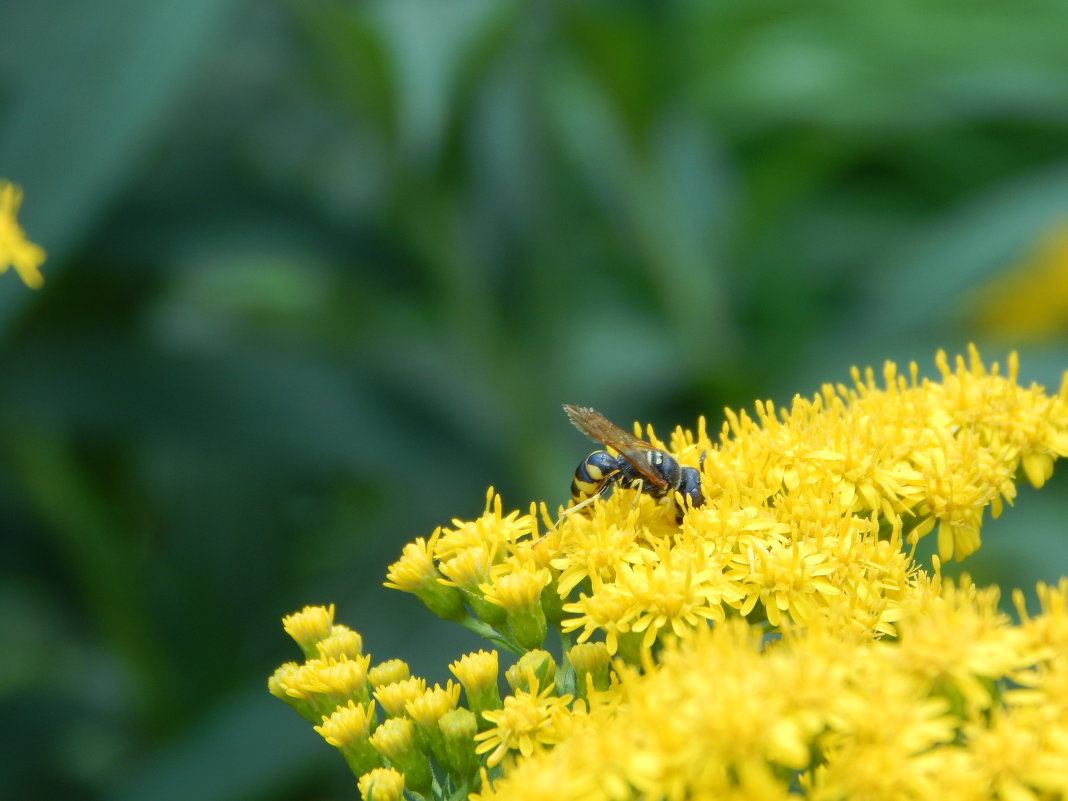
{"x": 636, "y": 464}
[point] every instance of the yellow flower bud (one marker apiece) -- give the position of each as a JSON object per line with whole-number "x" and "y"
{"x": 381, "y": 784}
{"x": 308, "y": 626}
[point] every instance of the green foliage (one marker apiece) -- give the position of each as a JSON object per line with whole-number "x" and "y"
{"x": 319, "y": 272}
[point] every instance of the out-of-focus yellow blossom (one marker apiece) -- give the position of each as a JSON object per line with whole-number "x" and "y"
{"x": 1050, "y": 629}
{"x": 15, "y": 250}
{"x": 959, "y": 642}
{"x": 720, "y": 713}
{"x": 778, "y": 641}
{"x": 590, "y": 661}
{"x": 1028, "y": 302}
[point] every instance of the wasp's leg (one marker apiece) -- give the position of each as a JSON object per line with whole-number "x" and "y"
{"x": 576, "y": 506}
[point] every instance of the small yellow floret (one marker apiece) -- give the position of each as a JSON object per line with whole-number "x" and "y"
{"x": 279, "y": 682}
{"x": 476, "y": 671}
{"x": 395, "y": 697}
{"x": 381, "y": 784}
{"x": 388, "y": 672}
{"x": 343, "y": 643}
{"x": 415, "y": 567}
{"x": 309, "y": 625}
{"x": 433, "y": 703}
{"x": 469, "y": 568}
{"x": 348, "y": 724}
{"x": 394, "y": 738}
{"x": 515, "y": 588}
{"x": 490, "y": 531}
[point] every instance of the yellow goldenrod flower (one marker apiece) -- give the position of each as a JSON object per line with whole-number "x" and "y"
{"x": 1020, "y": 755}
{"x": 416, "y": 573}
{"x": 960, "y": 641}
{"x": 281, "y": 678}
{"x": 394, "y": 698}
{"x": 348, "y": 723}
{"x": 607, "y": 609}
{"x": 342, "y": 643}
{"x": 458, "y": 729}
{"x": 528, "y": 721}
{"x": 468, "y": 570}
{"x": 325, "y": 685}
{"x": 493, "y": 529}
{"x": 395, "y": 740}
{"x": 308, "y": 626}
{"x": 598, "y": 544}
{"x": 787, "y": 578}
{"x": 591, "y": 662}
{"x": 15, "y": 250}
{"x": 1047, "y": 633}
{"x": 345, "y": 678}
{"x": 516, "y": 587}
{"x": 533, "y": 669}
{"x": 388, "y": 672}
{"x": 426, "y": 709}
{"x": 677, "y": 589}
{"x": 477, "y": 672}
{"x": 347, "y": 729}
{"x": 286, "y": 677}
{"x": 381, "y": 784}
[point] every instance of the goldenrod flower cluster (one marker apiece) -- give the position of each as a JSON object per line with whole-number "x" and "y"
{"x": 780, "y": 640}
{"x": 15, "y": 250}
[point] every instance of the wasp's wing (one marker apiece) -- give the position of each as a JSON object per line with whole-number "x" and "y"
{"x": 600, "y": 429}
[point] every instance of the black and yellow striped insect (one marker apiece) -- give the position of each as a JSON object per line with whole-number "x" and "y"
{"x": 636, "y": 464}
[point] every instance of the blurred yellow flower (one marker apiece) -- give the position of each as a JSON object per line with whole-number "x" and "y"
{"x": 15, "y": 250}
{"x": 1029, "y": 301}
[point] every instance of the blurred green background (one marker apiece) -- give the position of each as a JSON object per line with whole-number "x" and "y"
{"x": 320, "y": 272}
